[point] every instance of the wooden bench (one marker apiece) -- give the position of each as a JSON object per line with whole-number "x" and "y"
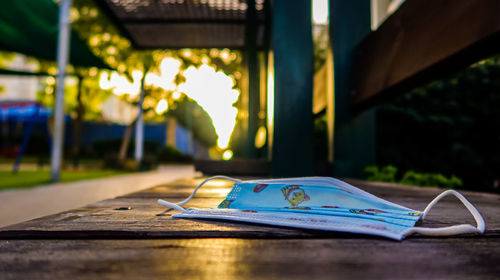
{"x": 107, "y": 240}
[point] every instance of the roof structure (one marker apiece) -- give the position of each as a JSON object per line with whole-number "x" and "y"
{"x": 30, "y": 27}
{"x": 172, "y": 24}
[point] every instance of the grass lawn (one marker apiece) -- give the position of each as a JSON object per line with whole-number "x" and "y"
{"x": 31, "y": 178}
{"x": 46, "y": 160}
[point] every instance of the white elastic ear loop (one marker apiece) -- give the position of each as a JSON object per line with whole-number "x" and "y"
{"x": 451, "y": 230}
{"x": 177, "y": 206}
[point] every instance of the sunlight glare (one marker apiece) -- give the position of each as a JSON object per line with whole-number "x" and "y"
{"x": 212, "y": 90}
{"x": 215, "y": 94}
{"x": 320, "y": 11}
{"x": 227, "y": 155}
{"x": 169, "y": 68}
{"x": 161, "y": 107}
{"x": 119, "y": 84}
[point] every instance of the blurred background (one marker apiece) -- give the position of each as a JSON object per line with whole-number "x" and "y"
{"x": 206, "y": 73}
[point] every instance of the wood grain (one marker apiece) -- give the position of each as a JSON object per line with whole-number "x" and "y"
{"x": 147, "y": 219}
{"x": 423, "y": 41}
{"x": 362, "y": 258}
{"x": 98, "y": 241}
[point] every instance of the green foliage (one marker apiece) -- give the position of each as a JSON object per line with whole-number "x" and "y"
{"x": 5, "y": 58}
{"x": 449, "y": 126}
{"x": 31, "y": 178}
{"x": 193, "y": 117}
{"x": 430, "y": 179}
{"x": 384, "y": 174}
{"x": 106, "y": 42}
{"x": 172, "y": 154}
{"x": 388, "y": 173}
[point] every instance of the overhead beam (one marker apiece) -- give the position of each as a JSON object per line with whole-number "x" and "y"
{"x": 424, "y": 40}
{"x": 103, "y": 6}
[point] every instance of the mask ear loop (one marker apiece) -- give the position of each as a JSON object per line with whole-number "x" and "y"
{"x": 177, "y": 206}
{"x": 451, "y": 230}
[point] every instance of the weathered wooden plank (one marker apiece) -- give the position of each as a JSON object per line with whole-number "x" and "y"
{"x": 452, "y": 258}
{"x": 424, "y": 40}
{"x": 147, "y": 219}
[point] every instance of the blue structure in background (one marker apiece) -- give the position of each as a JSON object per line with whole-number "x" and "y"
{"x": 34, "y": 119}
{"x": 156, "y": 132}
{"x": 27, "y": 112}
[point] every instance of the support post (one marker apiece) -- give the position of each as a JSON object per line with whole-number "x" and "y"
{"x": 354, "y": 136}
{"x": 24, "y": 145}
{"x": 62, "y": 61}
{"x": 251, "y": 62}
{"x": 139, "y": 125}
{"x": 171, "y": 131}
{"x": 292, "y": 151}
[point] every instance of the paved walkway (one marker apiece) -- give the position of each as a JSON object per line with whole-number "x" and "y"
{"x": 25, "y": 204}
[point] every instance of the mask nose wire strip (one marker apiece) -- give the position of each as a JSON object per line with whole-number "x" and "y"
{"x": 451, "y": 230}
{"x": 177, "y": 206}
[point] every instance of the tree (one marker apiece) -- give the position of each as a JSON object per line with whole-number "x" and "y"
{"x": 449, "y": 126}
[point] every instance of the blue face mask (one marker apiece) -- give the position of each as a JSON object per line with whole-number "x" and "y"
{"x": 321, "y": 203}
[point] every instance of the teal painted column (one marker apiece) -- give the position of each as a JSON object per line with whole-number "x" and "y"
{"x": 292, "y": 152}
{"x": 354, "y": 135}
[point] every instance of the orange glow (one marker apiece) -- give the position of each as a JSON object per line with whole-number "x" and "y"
{"x": 212, "y": 90}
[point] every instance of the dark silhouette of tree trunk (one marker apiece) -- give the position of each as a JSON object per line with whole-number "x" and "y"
{"x": 127, "y": 135}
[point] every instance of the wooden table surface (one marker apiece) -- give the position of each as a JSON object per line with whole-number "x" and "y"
{"x": 99, "y": 241}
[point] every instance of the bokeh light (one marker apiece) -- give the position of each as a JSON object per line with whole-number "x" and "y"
{"x": 227, "y": 155}
{"x": 162, "y": 107}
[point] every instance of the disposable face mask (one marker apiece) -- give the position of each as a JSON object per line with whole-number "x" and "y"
{"x": 322, "y": 203}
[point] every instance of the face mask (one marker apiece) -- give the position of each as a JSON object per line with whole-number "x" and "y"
{"x": 322, "y": 203}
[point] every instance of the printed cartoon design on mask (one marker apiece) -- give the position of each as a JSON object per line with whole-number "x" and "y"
{"x": 249, "y": 211}
{"x": 294, "y": 194}
{"x": 377, "y": 227}
{"x": 360, "y": 211}
{"x": 225, "y": 203}
{"x": 413, "y": 214}
{"x": 299, "y": 208}
{"x": 375, "y": 211}
{"x": 260, "y": 187}
{"x": 366, "y": 211}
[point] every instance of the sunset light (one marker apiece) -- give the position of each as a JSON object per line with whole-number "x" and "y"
{"x": 211, "y": 89}
{"x": 215, "y": 94}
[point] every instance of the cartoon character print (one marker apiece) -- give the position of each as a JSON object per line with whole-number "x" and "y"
{"x": 376, "y": 211}
{"x": 329, "y": 206}
{"x": 294, "y": 195}
{"x": 225, "y": 203}
{"x": 260, "y": 187}
{"x": 249, "y": 211}
{"x": 377, "y": 227}
{"x": 360, "y": 211}
{"x": 366, "y": 211}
